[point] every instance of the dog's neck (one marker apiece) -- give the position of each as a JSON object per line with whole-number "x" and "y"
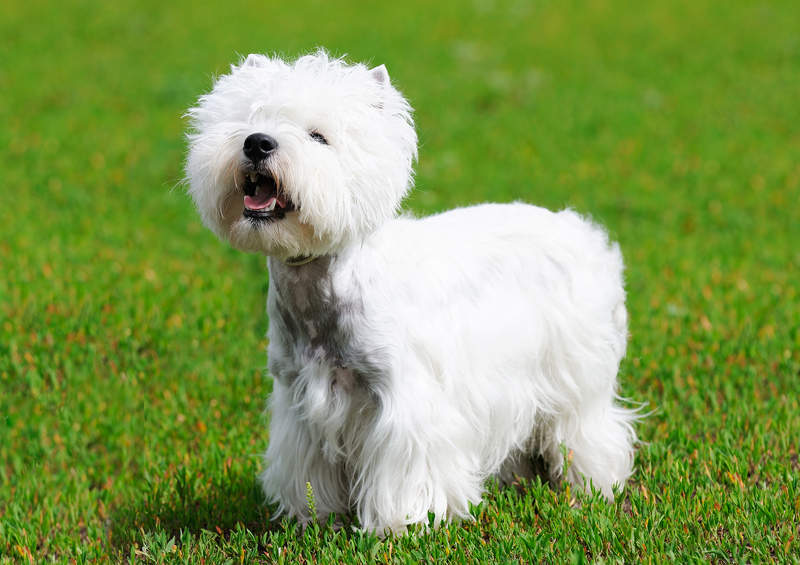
{"x": 315, "y": 310}
{"x": 306, "y": 272}
{"x": 298, "y": 282}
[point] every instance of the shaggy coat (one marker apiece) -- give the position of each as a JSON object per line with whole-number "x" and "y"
{"x": 412, "y": 358}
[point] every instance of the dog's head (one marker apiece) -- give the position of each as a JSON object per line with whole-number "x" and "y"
{"x": 301, "y": 158}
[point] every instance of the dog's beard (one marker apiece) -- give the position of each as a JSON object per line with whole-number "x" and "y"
{"x": 259, "y": 216}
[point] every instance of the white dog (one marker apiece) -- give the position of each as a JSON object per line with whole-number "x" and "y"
{"x": 412, "y": 358}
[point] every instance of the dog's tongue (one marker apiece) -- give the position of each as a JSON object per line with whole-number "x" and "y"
{"x": 259, "y": 201}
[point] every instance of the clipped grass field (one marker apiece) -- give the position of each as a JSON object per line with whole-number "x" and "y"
{"x": 132, "y": 364}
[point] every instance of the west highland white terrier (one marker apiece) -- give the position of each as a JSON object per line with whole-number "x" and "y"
{"x": 412, "y": 358}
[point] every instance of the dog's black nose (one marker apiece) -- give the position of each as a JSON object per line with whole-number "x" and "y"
{"x": 258, "y": 146}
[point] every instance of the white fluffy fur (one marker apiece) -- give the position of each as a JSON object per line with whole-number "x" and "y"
{"x": 413, "y": 359}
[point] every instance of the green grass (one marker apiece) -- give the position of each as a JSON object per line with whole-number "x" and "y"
{"x": 132, "y": 379}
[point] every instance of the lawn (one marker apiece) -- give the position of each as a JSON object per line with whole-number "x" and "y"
{"x": 132, "y": 342}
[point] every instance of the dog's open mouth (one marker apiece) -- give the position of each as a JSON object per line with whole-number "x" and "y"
{"x": 263, "y": 198}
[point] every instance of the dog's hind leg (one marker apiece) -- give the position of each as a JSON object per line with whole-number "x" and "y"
{"x": 599, "y": 439}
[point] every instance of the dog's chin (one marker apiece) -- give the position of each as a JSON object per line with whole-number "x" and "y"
{"x": 281, "y": 237}
{"x": 262, "y": 232}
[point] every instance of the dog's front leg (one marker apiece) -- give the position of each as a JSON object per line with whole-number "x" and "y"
{"x": 417, "y": 458}
{"x": 294, "y": 458}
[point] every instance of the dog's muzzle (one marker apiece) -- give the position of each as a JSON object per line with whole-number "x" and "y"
{"x": 263, "y": 197}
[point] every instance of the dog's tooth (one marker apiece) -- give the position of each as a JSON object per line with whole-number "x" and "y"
{"x": 253, "y": 176}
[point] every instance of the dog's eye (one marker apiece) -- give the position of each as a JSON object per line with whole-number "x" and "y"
{"x": 318, "y": 137}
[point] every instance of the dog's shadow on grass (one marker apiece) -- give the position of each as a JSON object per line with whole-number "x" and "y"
{"x": 179, "y": 501}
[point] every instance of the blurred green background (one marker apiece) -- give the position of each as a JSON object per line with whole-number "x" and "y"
{"x": 132, "y": 380}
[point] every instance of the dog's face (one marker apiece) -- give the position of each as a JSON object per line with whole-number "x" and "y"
{"x": 294, "y": 159}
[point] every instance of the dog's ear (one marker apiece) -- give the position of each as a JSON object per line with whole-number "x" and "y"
{"x": 380, "y": 74}
{"x": 255, "y": 60}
